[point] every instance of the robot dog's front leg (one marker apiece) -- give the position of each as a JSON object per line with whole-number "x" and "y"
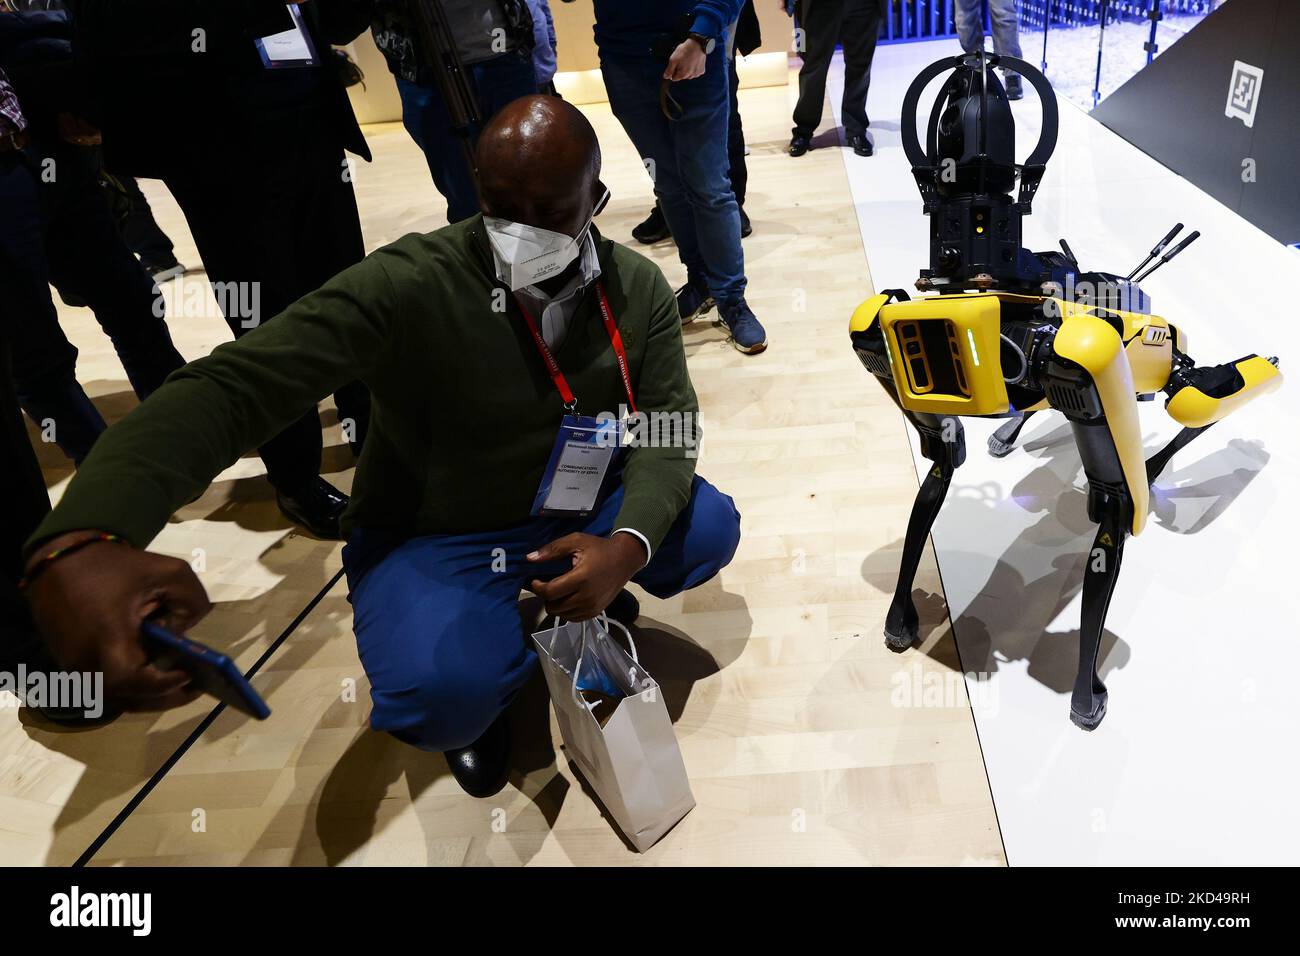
{"x": 1089, "y": 380}
{"x": 943, "y": 442}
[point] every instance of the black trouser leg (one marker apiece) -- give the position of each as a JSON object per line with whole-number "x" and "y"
{"x": 858, "y": 35}
{"x": 44, "y": 361}
{"x": 88, "y": 257}
{"x": 141, "y": 231}
{"x": 736, "y": 140}
{"x": 820, "y": 20}
{"x": 22, "y": 489}
{"x": 267, "y": 238}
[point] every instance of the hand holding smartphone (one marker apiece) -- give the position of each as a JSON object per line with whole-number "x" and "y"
{"x": 211, "y": 672}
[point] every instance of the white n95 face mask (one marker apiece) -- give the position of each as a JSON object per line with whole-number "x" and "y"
{"x": 525, "y": 255}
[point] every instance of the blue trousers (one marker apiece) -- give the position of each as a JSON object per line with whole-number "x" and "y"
{"x": 687, "y": 160}
{"x": 497, "y": 82}
{"x": 437, "y": 619}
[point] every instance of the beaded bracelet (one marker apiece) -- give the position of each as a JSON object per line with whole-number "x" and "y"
{"x": 63, "y": 552}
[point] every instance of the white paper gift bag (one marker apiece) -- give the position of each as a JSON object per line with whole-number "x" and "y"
{"x": 616, "y": 727}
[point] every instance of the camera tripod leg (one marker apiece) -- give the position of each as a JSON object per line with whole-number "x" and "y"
{"x": 1088, "y": 702}
{"x": 943, "y": 442}
{"x": 1003, "y": 441}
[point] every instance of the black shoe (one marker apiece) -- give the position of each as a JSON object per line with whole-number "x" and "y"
{"x": 163, "y": 271}
{"x": 745, "y": 227}
{"x": 625, "y": 608}
{"x": 693, "y": 301}
{"x": 481, "y": 768}
{"x": 654, "y": 229}
{"x": 862, "y": 144}
{"x": 799, "y": 144}
{"x": 318, "y": 506}
{"x": 1015, "y": 90}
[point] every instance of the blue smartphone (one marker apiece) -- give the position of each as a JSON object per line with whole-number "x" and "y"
{"x": 210, "y": 671}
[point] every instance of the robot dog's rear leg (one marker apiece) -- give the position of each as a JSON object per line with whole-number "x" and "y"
{"x": 943, "y": 442}
{"x": 1160, "y": 460}
{"x": 1002, "y": 441}
{"x": 1088, "y": 702}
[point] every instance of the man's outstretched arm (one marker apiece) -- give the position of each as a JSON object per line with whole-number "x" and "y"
{"x": 89, "y": 603}
{"x": 212, "y": 411}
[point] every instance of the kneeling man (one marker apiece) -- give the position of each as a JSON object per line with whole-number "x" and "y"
{"x": 488, "y": 347}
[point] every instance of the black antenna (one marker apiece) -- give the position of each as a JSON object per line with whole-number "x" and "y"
{"x": 1170, "y": 254}
{"x": 1160, "y": 246}
{"x": 1065, "y": 247}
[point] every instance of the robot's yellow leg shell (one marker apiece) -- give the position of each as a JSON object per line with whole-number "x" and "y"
{"x": 1094, "y": 345}
{"x": 1193, "y": 408}
{"x": 866, "y": 313}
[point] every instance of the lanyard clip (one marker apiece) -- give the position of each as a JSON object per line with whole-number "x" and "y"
{"x": 571, "y": 408}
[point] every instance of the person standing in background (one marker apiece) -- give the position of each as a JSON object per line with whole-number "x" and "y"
{"x": 855, "y": 25}
{"x": 252, "y": 149}
{"x": 1005, "y": 20}
{"x": 56, "y": 229}
{"x": 495, "y": 41}
{"x": 545, "y": 46}
{"x": 744, "y": 38}
{"x": 665, "y": 68}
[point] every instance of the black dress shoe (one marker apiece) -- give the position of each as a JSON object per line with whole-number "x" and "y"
{"x": 799, "y": 144}
{"x": 481, "y": 768}
{"x": 1015, "y": 90}
{"x": 862, "y": 144}
{"x": 745, "y": 227}
{"x": 317, "y": 506}
{"x": 625, "y": 608}
{"x": 654, "y": 229}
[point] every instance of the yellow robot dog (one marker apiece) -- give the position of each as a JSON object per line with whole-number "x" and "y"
{"x": 1007, "y": 332}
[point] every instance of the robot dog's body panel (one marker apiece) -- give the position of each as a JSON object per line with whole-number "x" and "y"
{"x": 1002, "y": 340}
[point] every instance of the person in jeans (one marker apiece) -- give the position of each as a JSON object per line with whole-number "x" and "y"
{"x": 665, "y": 68}
{"x": 969, "y": 15}
{"x": 854, "y": 24}
{"x": 495, "y": 40}
{"x": 744, "y": 38}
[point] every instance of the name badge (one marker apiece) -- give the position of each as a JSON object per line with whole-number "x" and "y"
{"x": 289, "y": 48}
{"x": 584, "y": 451}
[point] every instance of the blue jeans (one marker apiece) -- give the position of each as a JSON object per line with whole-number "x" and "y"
{"x": 687, "y": 161}
{"x": 497, "y": 82}
{"x": 437, "y": 619}
{"x": 1003, "y": 19}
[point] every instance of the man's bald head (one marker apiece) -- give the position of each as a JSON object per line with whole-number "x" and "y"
{"x": 539, "y": 164}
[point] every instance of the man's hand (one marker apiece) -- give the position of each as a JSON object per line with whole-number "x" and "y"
{"x": 687, "y": 61}
{"x": 88, "y": 606}
{"x": 601, "y": 567}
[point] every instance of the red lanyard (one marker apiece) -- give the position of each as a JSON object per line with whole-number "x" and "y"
{"x": 616, "y": 340}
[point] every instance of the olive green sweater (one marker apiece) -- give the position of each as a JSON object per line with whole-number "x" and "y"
{"x": 464, "y": 413}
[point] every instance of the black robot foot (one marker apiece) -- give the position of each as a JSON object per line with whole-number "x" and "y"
{"x": 1093, "y": 720}
{"x": 901, "y": 638}
{"x": 999, "y": 448}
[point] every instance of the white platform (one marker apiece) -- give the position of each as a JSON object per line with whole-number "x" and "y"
{"x": 1195, "y": 762}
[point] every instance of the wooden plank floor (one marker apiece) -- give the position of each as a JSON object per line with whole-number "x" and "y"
{"x": 784, "y": 697}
